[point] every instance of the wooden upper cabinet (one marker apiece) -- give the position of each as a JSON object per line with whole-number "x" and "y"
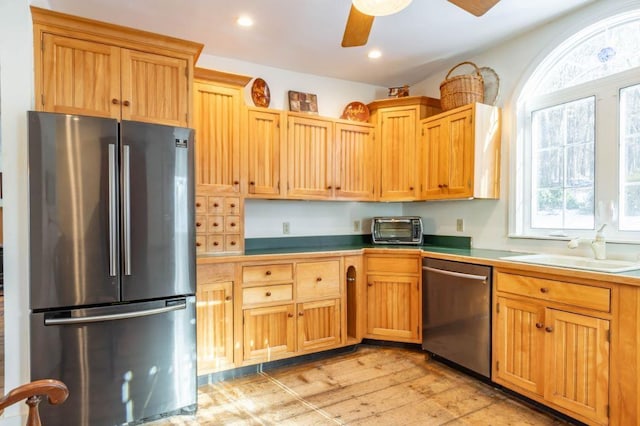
{"x": 310, "y": 155}
{"x": 80, "y": 77}
{"x": 154, "y": 88}
{"x": 354, "y": 153}
{"x": 459, "y": 154}
{"x": 217, "y": 124}
{"x": 94, "y": 68}
{"x": 264, "y": 152}
{"x": 447, "y": 157}
{"x": 397, "y": 124}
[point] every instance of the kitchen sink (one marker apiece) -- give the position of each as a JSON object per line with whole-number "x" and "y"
{"x": 578, "y": 262}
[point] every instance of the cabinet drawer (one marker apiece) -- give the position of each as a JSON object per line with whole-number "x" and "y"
{"x": 393, "y": 264}
{"x": 201, "y": 204}
{"x": 318, "y": 279}
{"x": 232, "y": 242}
{"x": 201, "y": 223}
{"x": 267, "y": 273}
{"x": 580, "y": 295}
{"x": 215, "y": 224}
{"x": 267, "y": 294}
{"x": 215, "y": 243}
{"x": 232, "y": 224}
{"x": 216, "y": 205}
{"x": 232, "y": 206}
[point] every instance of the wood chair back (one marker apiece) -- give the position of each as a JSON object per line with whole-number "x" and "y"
{"x": 55, "y": 391}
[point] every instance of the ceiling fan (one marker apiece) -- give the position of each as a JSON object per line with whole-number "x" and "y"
{"x": 362, "y": 13}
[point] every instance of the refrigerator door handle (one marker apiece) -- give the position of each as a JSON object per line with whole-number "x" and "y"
{"x": 126, "y": 204}
{"x": 113, "y": 317}
{"x": 112, "y": 210}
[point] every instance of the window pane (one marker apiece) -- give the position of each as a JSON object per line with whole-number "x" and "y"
{"x": 630, "y": 158}
{"x": 563, "y": 158}
{"x": 610, "y": 49}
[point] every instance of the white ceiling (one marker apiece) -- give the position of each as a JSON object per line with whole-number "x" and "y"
{"x": 305, "y": 35}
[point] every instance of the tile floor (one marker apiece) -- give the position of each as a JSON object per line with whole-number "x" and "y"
{"x": 370, "y": 386}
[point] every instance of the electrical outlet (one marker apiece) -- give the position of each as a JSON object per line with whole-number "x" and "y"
{"x": 285, "y": 228}
{"x": 459, "y": 225}
{"x": 356, "y": 226}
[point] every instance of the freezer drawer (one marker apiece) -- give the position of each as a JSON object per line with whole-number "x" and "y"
{"x": 121, "y": 363}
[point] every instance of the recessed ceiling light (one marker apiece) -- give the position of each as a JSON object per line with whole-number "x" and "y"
{"x": 245, "y": 21}
{"x": 374, "y": 54}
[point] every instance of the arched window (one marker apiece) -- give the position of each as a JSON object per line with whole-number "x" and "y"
{"x": 579, "y": 151}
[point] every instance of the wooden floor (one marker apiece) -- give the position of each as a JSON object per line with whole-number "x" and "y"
{"x": 370, "y": 386}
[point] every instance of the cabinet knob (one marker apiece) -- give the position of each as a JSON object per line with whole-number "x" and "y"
{"x": 549, "y": 329}
{"x": 115, "y": 101}
{"x": 235, "y": 182}
{"x": 338, "y": 188}
{"x": 268, "y": 294}
{"x": 544, "y": 290}
{"x": 268, "y": 273}
{"x": 232, "y": 205}
{"x": 215, "y": 224}
{"x": 252, "y": 183}
{"x": 439, "y": 185}
{"x": 198, "y": 224}
{"x": 301, "y": 313}
{"x": 233, "y": 224}
{"x": 215, "y": 205}
{"x": 198, "y": 244}
{"x": 290, "y": 315}
{"x": 198, "y": 204}
{"x": 411, "y": 188}
{"x": 329, "y": 187}
{"x": 233, "y": 243}
{"x": 319, "y": 279}
{"x": 539, "y": 325}
{"x": 215, "y": 243}
{"x": 126, "y": 103}
{"x": 227, "y": 298}
{"x": 370, "y": 285}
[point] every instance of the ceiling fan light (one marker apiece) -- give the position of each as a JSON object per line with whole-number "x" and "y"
{"x": 380, "y": 7}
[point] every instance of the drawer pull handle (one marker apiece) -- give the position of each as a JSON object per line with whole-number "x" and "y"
{"x": 252, "y": 183}
{"x": 411, "y": 188}
{"x": 544, "y": 290}
{"x": 233, "y": 224}
{"x": 227, "y": 298}
{"x": 198, "y": 204}
{"x": 115, "y": 101}
{"x": 301, "y": 314}
{"x": 233, "y": 243}
{"x": 215, "y": 224}
{"x": 235, "y": 182}
{"x": 215, "y": 243}
{"x": 233, "y": 205}
{"x": 370, "y": 285}
{"x": 215, "y": 204}
{"x": 268, "y": 273}
{"x": 268, "y": 294}
{"x": 126, "y": 103}
{"x": 549, "y": 329}
{"x": 539, "y": 325}
{"x": 329, "y": 187}
{"x": 198, "y": 224}
{"x": 290, "y": 315}
{"x": 319, "y": 279}
{"x": 198, "y": 244}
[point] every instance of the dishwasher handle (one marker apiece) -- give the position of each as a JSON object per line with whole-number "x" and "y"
{"x": 482, "y": 278}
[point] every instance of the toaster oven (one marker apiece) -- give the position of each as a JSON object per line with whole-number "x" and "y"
{"x": 397, "y": 230}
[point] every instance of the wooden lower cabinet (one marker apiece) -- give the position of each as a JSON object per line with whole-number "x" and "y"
{"x": 269, "y": 332}
{"x": 393, "y": 298}
{"x": 319, "y": 325}
{"x": 214, "y": 318}
{"x": 547, "y": 352}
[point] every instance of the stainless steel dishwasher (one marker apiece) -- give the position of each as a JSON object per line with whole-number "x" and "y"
{"x": 456, "y": 313}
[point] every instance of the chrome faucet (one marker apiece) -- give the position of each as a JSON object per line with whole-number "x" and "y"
{"x": 598, "y": 244}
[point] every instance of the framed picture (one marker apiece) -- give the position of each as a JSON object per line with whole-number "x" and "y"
{"x": 303, "y": 102}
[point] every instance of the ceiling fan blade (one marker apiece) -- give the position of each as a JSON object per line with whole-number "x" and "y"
{"x": 475, "y": 7}
{"x": 357, "y": 30}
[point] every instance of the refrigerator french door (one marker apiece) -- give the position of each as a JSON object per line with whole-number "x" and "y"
{"x": 112, "y": 267}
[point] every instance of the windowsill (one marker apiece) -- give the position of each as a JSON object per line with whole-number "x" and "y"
{"x": 569, "y": 238}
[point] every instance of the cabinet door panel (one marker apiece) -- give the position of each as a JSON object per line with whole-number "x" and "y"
{"x": 578, "y": 363}
{"x": 398, "y": 154}
{"x": 264, "y": 150}
{"x": 392, "y": 306}
{"x": 354, "y": 162}
{"x": 435, "y": 161}
{"x": 154, "y": 88}
{"x": 217, "y": 124}
{"x": 310, "y": 165}
{"x": 519, "y": 346}
{"x": 460, "y": 170}
{"x": 318, "y": 325}
{"x": 80, "y": 77}
{"x": 214, "y": 314}
{"x": 269, "y": 333}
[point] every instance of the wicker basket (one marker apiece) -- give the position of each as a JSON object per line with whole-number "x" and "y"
{"x": 461, "y": 89}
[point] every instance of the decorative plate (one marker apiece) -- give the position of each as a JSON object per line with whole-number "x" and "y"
{"x": 260, "y": 93}
{"x": 356, "y": 111}
{"x": 491, "y": 85}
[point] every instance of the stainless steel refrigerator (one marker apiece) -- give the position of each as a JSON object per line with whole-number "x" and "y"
{"x": 112, "y": 267}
